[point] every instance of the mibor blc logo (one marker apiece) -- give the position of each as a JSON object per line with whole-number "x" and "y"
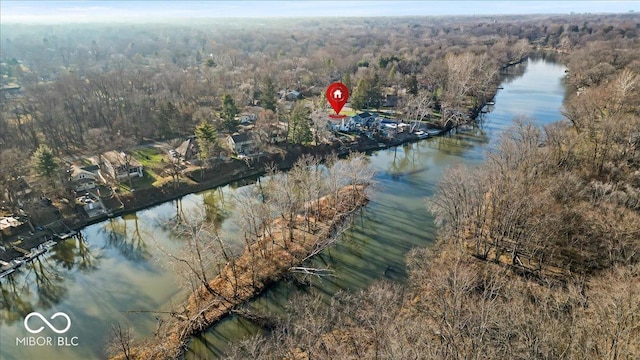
{"x": 44, "y": 320}
{"x": 34, "y": 323}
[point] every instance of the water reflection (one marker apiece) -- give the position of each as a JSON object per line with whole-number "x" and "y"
{"x": 214, "y": 207}
{"x": 13, "y": 304}
{"x": 75, "y": 252}
{"x": 43, "y": 283}
{"x": 127, "y": 238}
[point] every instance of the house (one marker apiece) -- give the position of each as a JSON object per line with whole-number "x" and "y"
{"x": 10, "y": 89}
{"x": 271, "y": 133}
{"x": 11, "y": 225}
{"x": 240, "y": 143}
{"x": 365, "y": 119}
{"x": 84, "y": 178}
{"x": 334, "y": 124}
{"x": 343, "y": 124}
{"x": 279, "y": 133}
{"x": 188, "y": 150}
{"x": 292, "y": 95}
{"x": 119, "y": 165}
{"x": 248, "y": 118}
{"x": 18, "y": 191}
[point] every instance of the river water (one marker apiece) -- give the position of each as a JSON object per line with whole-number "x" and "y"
{"x": 117, "y": 269}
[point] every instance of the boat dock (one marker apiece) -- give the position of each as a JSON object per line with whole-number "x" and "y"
{"x": 7, "y": 268}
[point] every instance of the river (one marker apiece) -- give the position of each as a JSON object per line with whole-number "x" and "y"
{"x": 116, "y": 269}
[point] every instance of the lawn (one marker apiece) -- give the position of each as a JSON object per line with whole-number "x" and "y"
{"x": 154, "y": 162}
{"x": 346, "y": 111}
{"x": 150, "y": 158}
{"x": 147, "y": 181}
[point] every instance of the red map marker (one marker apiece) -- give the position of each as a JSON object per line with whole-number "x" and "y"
{"x": 337, "y": 95}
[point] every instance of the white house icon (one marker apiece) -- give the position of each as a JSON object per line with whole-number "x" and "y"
{"x": 337, "y": 94}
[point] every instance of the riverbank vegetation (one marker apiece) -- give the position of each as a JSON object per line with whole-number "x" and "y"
{"x": 538, "y": 252}
{"x": 285, "y": 219}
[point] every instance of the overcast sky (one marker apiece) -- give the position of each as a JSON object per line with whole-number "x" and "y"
{"x": 91, "y": 11}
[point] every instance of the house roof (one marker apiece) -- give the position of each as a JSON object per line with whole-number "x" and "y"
{"x": 77, "y": 171}
{"x": 118, "y": 158}
{"x": 91, "y": 168}
{"x": 188, "y": 145}
{"x": 9, "y": 222}
{"x": 240, "y": 138}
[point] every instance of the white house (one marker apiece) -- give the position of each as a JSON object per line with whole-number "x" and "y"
{"x": 344, "y": 124}
{"x": 364, "y": 119}
{"x": 120, "y": 165}
{"x": 240, "y": 143}
{"x": 84, "y": 178}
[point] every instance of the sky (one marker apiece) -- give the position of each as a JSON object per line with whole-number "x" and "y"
{"x": 12, "y": 11}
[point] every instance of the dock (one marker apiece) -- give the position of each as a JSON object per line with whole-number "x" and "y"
{"x": 65, "y": 236}
{"x": 7, "y": 268}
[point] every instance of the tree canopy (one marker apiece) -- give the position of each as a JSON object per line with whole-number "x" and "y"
{"x": 367, "y": 93}
{"x": 229, "y": 113}
{"x": 45, "y": 164}
{"x": 300, "y": 125}
{"x": 207, "y": 137}
{"x": 268, "y": 94}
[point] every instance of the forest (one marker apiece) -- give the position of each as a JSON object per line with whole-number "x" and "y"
{"x": 538, "y": 248}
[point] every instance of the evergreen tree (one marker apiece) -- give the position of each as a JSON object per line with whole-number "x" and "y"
{"x": 300, "y": 125}
{"x": 207, "y": 137}
{"x": 45, "y": 164}
{"x": 168, "y": 120}
{"x": 392, "y": 74}
{"x": 412, "y": 85}
{"x": 268, "y": 94}
{"x": 367, "y": 94}
{"x": 346, "y": 79}
{"x": 229, "y": 113}
{"x": 359, "y": 97}
{"x": 374, "y": 93}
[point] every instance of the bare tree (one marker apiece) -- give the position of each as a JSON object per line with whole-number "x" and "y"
{"x": 418, "y": 108}
{"x": 121, "y": 341}
{"x": 196, "y": 261}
